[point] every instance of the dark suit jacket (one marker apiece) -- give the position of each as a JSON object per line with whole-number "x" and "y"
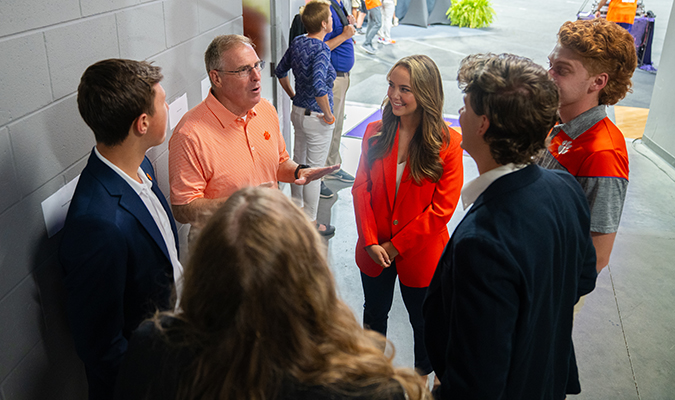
{"x": 498, "y": 312}
{"x": 117, "y": 268}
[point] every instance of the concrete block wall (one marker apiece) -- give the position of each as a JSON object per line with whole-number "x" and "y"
{"x": 45, "y": 47}
{"x": 658, "y": 133}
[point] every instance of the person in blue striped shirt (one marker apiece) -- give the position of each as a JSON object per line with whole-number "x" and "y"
{"x": 312, "y": 115}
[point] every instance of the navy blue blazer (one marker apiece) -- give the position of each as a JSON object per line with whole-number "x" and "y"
{"x": 117, "y": 268}
{"x": 498, "y": 312}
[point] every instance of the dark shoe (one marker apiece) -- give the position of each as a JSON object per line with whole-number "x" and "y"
{"x": 341, "y": 176}
{"x": 328, "y": 229}
{"x": 326, "y": 193}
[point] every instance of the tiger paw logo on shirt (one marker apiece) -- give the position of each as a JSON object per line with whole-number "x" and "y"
{"x": 565, "y": 146}
{"x": 267, "y": 135}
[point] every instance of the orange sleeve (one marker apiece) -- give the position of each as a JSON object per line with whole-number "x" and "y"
{"x": 283, "y": 153}
{"x": 366, "y": 224}
{"x": 186, "y": 175}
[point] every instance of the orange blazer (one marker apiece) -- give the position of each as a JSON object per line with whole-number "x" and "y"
{"x": 415, "y": 220}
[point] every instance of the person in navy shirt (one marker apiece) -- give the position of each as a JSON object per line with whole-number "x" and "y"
{"x": 342, "y": 58}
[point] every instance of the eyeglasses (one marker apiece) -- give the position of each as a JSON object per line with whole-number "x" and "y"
{"x": 244, "y": 72}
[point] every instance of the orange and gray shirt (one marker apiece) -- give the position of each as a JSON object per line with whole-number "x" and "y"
{"x": 593, "y": 149}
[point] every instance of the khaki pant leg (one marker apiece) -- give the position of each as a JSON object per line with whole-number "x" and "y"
{"x": 580, "y": 303}
{"x": 340, "y": 87}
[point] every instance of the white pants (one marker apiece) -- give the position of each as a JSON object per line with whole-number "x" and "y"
{"x": 312, "y": 140}
{"x": 388, "y": 7}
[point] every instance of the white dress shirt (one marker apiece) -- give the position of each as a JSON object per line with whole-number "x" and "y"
{"x": 400, "y": 167}
{"x": 476, "y": 187}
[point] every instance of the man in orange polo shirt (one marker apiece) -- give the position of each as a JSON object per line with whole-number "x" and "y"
{"x": 592, "y": 65}
{"x": 231, "y": 139}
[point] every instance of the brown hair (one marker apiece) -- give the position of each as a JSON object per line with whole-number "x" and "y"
{"x": 213, "y": 56}
{"x": 519, "y": 99}
{"x": 431, "y": 135}
{"x": 113, "y": 93}
{"x": 259, "y": 303}
{"x": 603, "y": 47}
{"x": 313, "y": 14}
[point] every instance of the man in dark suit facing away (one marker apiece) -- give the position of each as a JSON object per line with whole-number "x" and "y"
{"x": 119, "y": 250}
{"x": 498, "y": 312}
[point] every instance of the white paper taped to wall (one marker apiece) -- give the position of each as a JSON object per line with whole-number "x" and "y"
{"x": 55, "y": 207}
{"x": 177, "y": 109}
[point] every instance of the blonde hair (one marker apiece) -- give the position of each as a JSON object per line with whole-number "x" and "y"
{"x": 259, "y": 304}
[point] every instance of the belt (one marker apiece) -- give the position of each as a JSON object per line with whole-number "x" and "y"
{"x": 342, "y": 74}
{"x": 306, "y": 111}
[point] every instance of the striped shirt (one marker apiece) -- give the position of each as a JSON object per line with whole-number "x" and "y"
{"x": 314, "y": 74}
{"x": 213, "y": 153}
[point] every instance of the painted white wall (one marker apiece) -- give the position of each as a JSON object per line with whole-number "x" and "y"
{"x": 45, "y": 45}
{"x": 659, "y": 132}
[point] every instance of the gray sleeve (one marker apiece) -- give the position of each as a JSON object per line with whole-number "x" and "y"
{"x": 605, "y": 197}
{"x": 546, "y": 160}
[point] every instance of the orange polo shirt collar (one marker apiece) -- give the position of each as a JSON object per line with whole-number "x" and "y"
{"x": 222, "y": 114}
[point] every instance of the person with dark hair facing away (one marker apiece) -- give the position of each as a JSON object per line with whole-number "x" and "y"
{"x": 498, "y": 312}
{"x": 119, "y": 250}
{"x": 260, "y": 319}
{"x": 592, "y": 65}
{"x": 312, "y": 114}
{"x": 407, "y": 187}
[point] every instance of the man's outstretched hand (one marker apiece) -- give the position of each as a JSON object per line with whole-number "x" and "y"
{"x": 307, "y": 175}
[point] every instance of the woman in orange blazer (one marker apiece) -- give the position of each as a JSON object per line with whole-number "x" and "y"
{"x": 407, "y": 187}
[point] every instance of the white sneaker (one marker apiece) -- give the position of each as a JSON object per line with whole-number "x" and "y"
{"x": 384, "y": 41}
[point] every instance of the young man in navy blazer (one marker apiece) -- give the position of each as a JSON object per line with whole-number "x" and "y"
{"x": 119, "y": 250}
{"x": 498, "y": 312}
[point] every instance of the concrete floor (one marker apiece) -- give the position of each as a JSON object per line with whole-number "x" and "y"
{"x": 624, "y": 335}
